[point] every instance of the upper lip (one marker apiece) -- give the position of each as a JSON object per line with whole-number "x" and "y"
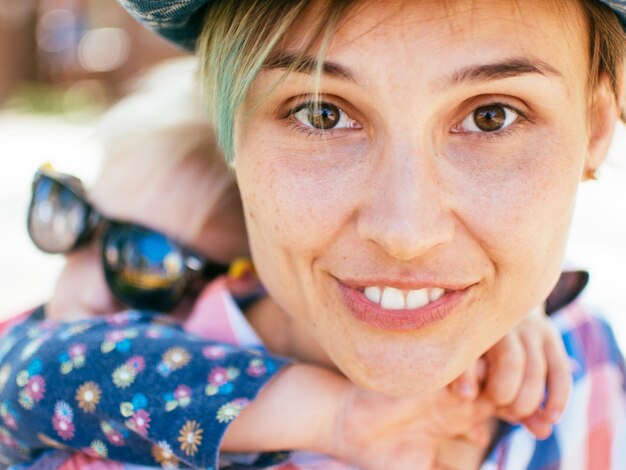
{"x": 405, "y": 283}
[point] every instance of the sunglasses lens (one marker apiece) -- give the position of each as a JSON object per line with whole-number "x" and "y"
{"x": 57, "y": 216}
{"x": 144, "y": 269}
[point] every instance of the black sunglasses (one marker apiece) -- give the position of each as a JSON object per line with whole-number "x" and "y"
{"x": 144, "y": 268}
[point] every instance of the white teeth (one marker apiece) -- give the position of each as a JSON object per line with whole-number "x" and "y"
{"x": 373, "y": 294}
{"x": 436, "y": 293}
{"x": 417, "y": 298}
{"x": 392, "y": 299}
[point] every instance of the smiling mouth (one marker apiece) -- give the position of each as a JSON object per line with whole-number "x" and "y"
{"x": 391, "y": 298}
{"x": 391, "y": 308}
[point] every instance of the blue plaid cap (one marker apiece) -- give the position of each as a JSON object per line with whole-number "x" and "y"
{"x": 180, "y": 21}
{"x": 619, "y": 7}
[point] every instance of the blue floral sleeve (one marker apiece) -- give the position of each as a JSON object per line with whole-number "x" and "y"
{"x": 133, "y": 387}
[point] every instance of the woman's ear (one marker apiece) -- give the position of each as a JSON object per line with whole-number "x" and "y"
{"x": 604, "y": 113}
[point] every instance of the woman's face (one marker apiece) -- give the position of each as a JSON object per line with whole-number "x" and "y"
{"x": 431, "y": 214}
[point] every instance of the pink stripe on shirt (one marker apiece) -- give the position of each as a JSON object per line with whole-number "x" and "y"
{"x": 209, "y": 317}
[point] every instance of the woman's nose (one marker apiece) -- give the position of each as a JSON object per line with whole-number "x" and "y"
{"x": 406, "y": 211}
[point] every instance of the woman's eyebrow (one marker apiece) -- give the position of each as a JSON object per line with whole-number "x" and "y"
{"x": 307, "y": 64}
{"x": 506, "y": 68}
{"x": 502, "y": 69}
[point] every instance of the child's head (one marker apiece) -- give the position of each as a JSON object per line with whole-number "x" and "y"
{"x": 161, "y": 169}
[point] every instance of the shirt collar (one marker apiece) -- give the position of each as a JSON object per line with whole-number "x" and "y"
{"x": 567, "y": 289}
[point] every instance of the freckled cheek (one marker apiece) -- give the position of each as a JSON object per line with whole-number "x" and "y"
{"x": 521, "y": 205}
{"x": 293, "y": 215}
{"x": 306, "y": 213}
{"x": 300, "y": 203}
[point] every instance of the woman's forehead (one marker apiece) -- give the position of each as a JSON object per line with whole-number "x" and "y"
{"x": 456, "y": 15}
{"x": 437, "y": 32}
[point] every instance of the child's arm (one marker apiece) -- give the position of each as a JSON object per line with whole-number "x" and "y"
{"x": 310, "y": 408}
{"x": 128, "y": 387}
{"x": 142, "y": 392}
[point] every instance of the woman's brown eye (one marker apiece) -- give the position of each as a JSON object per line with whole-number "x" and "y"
{"x": 324, "y": 116}
{"x": 490, "y": 118}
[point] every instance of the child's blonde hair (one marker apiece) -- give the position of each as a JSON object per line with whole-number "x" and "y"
{"x": 159, "y": 130}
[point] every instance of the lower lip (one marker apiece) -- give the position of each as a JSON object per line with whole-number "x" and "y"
{"x": 400, "y": 320}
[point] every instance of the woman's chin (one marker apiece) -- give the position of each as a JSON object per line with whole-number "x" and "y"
{"x": 400, "y": 379}
{"x": 426, "y": 384}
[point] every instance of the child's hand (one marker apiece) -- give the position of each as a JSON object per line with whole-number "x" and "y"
{"x": 81, "y": 291}
{"x": 375, "y": 431}
{"x": 516, "y": 372}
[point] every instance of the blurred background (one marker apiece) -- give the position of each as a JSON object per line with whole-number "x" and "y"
{"x": 70, "y": 56}
{"x": 63, "y": 62}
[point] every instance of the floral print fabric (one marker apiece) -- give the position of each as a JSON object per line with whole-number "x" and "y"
{"x": 133, "y": 387}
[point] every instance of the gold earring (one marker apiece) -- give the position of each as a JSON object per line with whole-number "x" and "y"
{"x": 592, "y": 174}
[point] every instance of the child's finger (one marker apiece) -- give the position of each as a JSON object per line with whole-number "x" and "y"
{"x": 481, "y": 371}
{"x": 538, "y": 425}
{"x": 533, "y": 385}
{"x": 507, "y": 360}
{"x": 483, "y": 410}
{"x": 559, "y": 380}
{"x": 466, "y": 385}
